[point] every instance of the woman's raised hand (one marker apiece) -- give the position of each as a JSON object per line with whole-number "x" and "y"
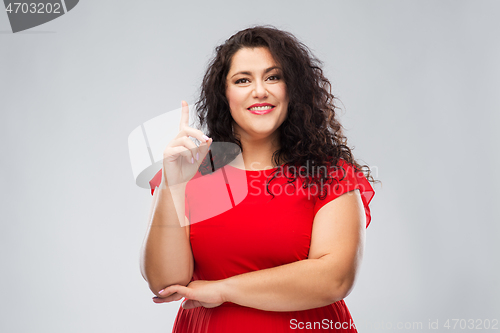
{"x": 181, "y": 157}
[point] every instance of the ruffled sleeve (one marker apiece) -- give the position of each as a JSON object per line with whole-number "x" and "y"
{"x": 155, "y": 181}
{"x": 346, "y": 180}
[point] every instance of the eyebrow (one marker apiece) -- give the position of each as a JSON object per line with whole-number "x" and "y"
{"x": 265, "y": 71}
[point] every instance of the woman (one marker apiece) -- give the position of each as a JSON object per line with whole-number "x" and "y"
{"x": 279, "y": 260}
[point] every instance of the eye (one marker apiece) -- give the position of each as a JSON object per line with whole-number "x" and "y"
{"x": 241, "y": 81}
{"x": 274, "y": 77}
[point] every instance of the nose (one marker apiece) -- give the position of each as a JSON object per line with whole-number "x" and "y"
{"x": 259, "y": 90}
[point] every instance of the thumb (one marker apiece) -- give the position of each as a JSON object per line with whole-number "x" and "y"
{"x": 190, "y": 304}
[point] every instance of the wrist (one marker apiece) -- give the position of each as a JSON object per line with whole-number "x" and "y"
{"x": 178, "y": 188}
{"x": 223, "y": 287}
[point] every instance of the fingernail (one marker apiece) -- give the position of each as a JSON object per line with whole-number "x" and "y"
{"x": 161, "y": 291}
{"x": 205, "y": 137}
{"x": 197, "y": 156}
{"x": 192, "y": 160}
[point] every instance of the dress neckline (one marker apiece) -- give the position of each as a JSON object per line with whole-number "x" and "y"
{"x": 254, "y": 171}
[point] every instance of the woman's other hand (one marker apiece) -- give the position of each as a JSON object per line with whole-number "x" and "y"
{"x": 198, "y": 293}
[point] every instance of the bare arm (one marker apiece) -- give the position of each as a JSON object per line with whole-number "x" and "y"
{"x": 166, "y": 256}
{"x": 328, "y": 274}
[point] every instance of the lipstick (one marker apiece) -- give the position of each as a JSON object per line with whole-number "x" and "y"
{"x": 261, "y": 108}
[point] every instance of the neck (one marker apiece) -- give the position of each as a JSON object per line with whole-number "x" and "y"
{"x": 257, "y": 153}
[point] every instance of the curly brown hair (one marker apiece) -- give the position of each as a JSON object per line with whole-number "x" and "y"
{"x": 311, "y": 135}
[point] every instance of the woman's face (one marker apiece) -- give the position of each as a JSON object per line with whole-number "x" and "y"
{"x": 257, "y": 94}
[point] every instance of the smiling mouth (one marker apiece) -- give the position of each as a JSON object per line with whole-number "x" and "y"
{"x": 261, "y": 108}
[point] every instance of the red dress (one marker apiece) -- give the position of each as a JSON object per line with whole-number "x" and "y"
{"x": 245, "y": 231}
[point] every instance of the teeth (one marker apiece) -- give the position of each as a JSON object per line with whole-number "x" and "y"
{"x": 260, "y": 108}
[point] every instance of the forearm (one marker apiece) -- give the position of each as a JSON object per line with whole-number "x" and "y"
{"x": 300, "y": 285}
{"x": 166, "y": 256}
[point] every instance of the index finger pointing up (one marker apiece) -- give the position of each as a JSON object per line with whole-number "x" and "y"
{"x": 184, "y": 115}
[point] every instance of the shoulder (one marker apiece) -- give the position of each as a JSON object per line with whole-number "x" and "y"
{"x": 344, "y": 178}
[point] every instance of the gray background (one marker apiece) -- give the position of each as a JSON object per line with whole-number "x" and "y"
{"x": 419, "y": 82}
